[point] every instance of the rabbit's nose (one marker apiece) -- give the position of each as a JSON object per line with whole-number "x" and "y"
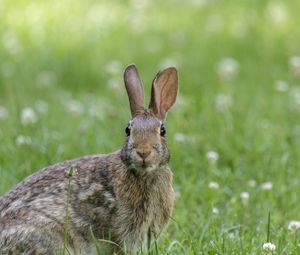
{"x": 143, "y": 154}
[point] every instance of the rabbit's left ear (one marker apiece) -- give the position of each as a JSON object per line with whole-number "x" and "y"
{"x": 164, "y": 92}
{"x": 134, "y": 89}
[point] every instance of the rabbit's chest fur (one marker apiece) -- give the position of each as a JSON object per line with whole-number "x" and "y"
{"x": 144, "y": 207}
{"x": 130, "y": 209}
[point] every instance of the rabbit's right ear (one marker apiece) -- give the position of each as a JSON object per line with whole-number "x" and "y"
{"x": 164, "y": 92}
{"x": 134, "y": 89}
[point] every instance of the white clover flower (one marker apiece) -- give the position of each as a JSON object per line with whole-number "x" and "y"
{"x": 113, "y": 67}
{"x": 215, "y": 211}
{"x": 223, "y": 102}
{"x": 46, "y": 79}
{"x": 28, "y": 116}
{"x": 181, "y": 101}
{"x": 95, "y": 111}
{"x": 295, "y": 97}
{"x": 293, "y": 226}
{"x": 252, "y": 183}
{"x": 267, "y": 186}
{"x": 3, "y": 112}
{"x": 138, "y": 23}
{"x": 277, "y": 13}
{"x": 11, "y": 43}
{"x": 214, "y": 23}
{"x": 294, "y": 62}
{"x": 114, "y": 84}
{"x": 245, "y": 198}
{"x": 281, "y": 86}
{"x": 179, "y": 137}
{"x": 177, "y": 194}
{"x": 198, "y": 3}
{"x": 232, "y": 235}
{"x": 140, "y": 4}
{"x": 212, "y": 156}
{"x": 74, "y": 107}
{"x": 269, "y": 247}
{"x": 227, "y": 69}
{"x": 213, "y": 185}
{"x": 23, "y": 140}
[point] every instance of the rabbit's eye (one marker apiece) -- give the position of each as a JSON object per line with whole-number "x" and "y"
{"x": 162, "y": 130}
{"x": 127, "y": 131}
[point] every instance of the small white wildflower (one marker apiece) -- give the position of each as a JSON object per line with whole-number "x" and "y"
{"x": 214, "y": 24}
{"x": 223, "y": 102}
{"x": 41, "y": 106}
{"x": 113, "y": 67}
{"x": 239, "y": 30}
{"x": 281, "y": 86}
{"x": 181, "y": 101}
{"x": 267, "y": 186}
{"x": 245, "y": 198}
{"x": 46, "y": 79}
{"x": 277, "y": 13}
{"x": 138, "y": 23}
{"x": 179, "y": 137}
{"x": 114, "y": 84}
{"x": 177, "y": 194}
{"x": 294, "y": 62}
{"x": 11, "y": 43}
{"x": 295, "y": 96}
{"x": 264, "y": 123}
{"x": 213, "y": 185}
{"x": 252, "y": 183}
{"x": 215, "y": 211}
{"x": 74, "y": 107}
{"x": 95, "y": 111}
{"x": 227, "y": 69}
{"x": 198, "y": 3}
{"x": 23, "y": 140}
{"x": 28, "y": 116}
{"x": 269, "y": 247}
{"x": 232, "y": 235}
{"x": 212, "y": 156}
{"x": 293, "y": 226}
{"x": 140, "y": 4}
{"x": 3, "y": 112}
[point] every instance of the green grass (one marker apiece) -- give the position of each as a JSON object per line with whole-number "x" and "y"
{"x": 58, "y": 51}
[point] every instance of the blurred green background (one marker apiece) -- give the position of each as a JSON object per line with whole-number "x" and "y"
{"x": 234, "y": 133}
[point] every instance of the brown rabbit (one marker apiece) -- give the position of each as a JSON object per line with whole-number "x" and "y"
{"x": 125, "y": 197}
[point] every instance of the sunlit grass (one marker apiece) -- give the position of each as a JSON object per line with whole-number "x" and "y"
{"x": 64, "y": 60}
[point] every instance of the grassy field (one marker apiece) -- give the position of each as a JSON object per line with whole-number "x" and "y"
{"x": 234, "y": 133}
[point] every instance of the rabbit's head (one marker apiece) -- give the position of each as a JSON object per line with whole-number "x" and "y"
{"x": 146, "y": 148}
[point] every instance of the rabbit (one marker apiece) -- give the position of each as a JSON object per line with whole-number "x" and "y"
{"x": 125, "y": 197}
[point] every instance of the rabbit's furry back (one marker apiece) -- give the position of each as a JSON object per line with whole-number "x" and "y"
{"x": 126, "y": 197}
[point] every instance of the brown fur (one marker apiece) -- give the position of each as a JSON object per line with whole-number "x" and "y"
{"x": 126, "y": 196}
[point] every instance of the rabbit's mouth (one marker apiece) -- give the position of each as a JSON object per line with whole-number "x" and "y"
{"x": 143, "y": 166}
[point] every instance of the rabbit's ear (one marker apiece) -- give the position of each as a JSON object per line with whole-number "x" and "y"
{"x": 134, "y": 89}
{"x": 164, "y": 92}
